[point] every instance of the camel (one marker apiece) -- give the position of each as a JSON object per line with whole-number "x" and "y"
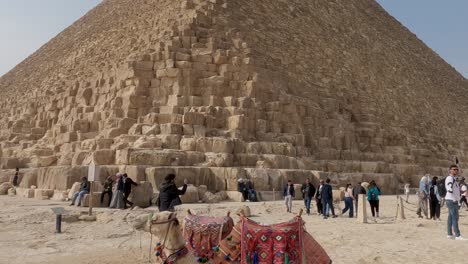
{"x": 172, "y": 245}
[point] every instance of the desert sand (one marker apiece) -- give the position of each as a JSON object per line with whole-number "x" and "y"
{"x": 27, "y": 233}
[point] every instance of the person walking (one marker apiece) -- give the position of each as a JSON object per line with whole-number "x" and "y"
{"x": 288, "y": 194}
{"x": 423, "y": 196}
{"x": 373, "y": 198}
{"x": 327, "y": 200}
{"x": 128, "y": 182}
{"x": 451, "y": 199}
{"x": 84, "y": 189}
{"x": 434, "y": 200}
{"x": 118, "y": 195}
{"x": 107, "y": 189}
{"x": 169, "y": 194}
{"x": 349, "y": 198}
{"x": 464, "y": 195}
{"x": 357, "y": 190}
{"x": 407, "y": 191}
{"x": 318, "y": 198}
{"x": 308, "y": 192}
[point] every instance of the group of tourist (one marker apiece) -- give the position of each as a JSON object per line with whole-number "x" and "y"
{"x": 118, "y": 191}
{"x": 323, "y": 196}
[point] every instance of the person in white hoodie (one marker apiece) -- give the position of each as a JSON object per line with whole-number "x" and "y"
{"x": 451, "y": 198}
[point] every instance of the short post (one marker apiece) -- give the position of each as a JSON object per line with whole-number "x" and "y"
{"x": 362, "y": 214}
{"x": 274, "y": 195}
{"x": 400, "y": 209}
{"x": 58, "y": 224}
{"x": 58, "y": 211}
{"x": 90, "y": 198}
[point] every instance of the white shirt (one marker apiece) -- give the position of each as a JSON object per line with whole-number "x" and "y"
{"x": 453, "y": 189}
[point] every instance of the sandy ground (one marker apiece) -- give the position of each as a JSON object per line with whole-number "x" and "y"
{"x": 27, "y": 234}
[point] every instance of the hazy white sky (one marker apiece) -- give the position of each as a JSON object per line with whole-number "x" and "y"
{"x": 25, "y": 25}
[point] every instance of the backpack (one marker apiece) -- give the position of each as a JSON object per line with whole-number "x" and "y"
{"x": 441, "y": 188}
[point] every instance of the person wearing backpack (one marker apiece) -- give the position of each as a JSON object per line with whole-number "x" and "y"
{"x": 373, "y": 198}
{"x": 451, "y": 198}
{"x": 434, "y": 200}
{"x": 423, "y": 196}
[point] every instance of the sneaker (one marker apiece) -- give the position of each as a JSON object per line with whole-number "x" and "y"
{"x": 334, "y": 216}
{"x": 460, "y": 238}
{"x": 449, "y": 237}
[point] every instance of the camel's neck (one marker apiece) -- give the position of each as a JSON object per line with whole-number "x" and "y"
{"x": 174, "y": 241}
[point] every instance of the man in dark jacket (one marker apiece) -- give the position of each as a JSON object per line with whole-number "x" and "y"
{"x": 107, "y": 189}
{"x": 308, "y": 192}
{"x": 169, "y": 194}
{"x": 242, "y": 188}
{"x": 84, "y": 189}
{"x": 327, "y": 200}
{"x": 357, "y": 190}
{"x": 127, "y": 182}
{"x": 288, "y": 194}
{"x": 16, "y": 177}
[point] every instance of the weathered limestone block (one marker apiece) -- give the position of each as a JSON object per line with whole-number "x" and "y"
{"x": 191, "y": 195}
{"x": 11, "y": 191}
{"x": 25, "y": 192}
{"x": 42, "y": 194}
{"x": 260, "y": 178}
{"x": 170, "y": 141}
{"x": 235, "y": 196}
{"x": 142, "y": 194}
{"x": 338, "y": 195}
{"x": 151, "y": 130}
{"x": 102, "y": 157}
{"x": 148, "y": 142}
{"x": 59, "y": 196}
{"x": 193, "y": 118}
{"x": 219, "y": 159}
{"x": 4, "y": 188}
{"x": 60, "y": 178}
{"x": 136, "y": 173}
{"x": 222, "y": 145}
{"x": 96, "y": 200}
{"x": 297, "y": 190}
{"x": 188, "y": 144}
{"x": 9, "y": 163}
{"x": 202, "y": 189}
{"x": 214, "y": 198}
{"x": 79, "y": 157}
{"x": 169, "y": 128}
{"x": 155, "y": 175}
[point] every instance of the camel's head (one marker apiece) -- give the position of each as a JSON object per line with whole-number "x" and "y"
{"x": 160, "y": 222}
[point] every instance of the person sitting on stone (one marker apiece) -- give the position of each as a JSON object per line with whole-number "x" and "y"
{"x": 242, "y": 188}
{"x": 128, "y": 182}
{"x": 84, "y": 189}
{"x": 251, "y": 193}
{"x": 169, "y": 194}
{"x": 107, "y": 189}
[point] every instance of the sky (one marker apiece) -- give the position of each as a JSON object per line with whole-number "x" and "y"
{"x": 26, "y": 25}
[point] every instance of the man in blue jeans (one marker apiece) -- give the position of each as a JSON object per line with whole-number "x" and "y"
{"x": 84, "y": 189}
{"x": 308, "y": 192}
{"x": 451, "y": 199}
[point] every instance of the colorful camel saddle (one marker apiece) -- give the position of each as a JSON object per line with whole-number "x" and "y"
{"x": 203, "y": 234}
{"x": 272, "y": 244}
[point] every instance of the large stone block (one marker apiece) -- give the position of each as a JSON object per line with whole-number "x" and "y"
{"x": 142, "y": 194}
{"x": 25, "y": 192}
{"x": 60, "y": 178}
{"x": 42, "y": 194}
{"x": 4, "y": 188}
{"x": 191, "y": 195}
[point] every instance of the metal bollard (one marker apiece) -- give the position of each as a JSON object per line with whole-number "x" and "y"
{"x": 58, "y": 223}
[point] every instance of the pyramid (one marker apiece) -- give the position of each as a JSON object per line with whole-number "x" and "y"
{"x": 216, "y": 90}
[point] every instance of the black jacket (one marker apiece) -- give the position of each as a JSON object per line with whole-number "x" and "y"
{"x": 84, "y": 186}
{"x": 291, "y": 190}
{"x": 169, "y": 196}
{"x": 311, "y": 191}
{"x": 357, "y": 190}
{"x": 127, "y": 185}
{"x": 327, "y": 193}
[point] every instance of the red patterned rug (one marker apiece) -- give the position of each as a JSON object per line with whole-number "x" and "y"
{"x": 272, "y": 244}
{"x": 314, "y": 252}
{"x": 203, "y": 233}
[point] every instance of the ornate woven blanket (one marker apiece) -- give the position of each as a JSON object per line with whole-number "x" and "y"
{"x": 203, "y": 233}
{"x": 272, "y": 244}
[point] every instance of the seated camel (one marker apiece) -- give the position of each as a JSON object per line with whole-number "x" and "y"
{"x": 178, "y": 244}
